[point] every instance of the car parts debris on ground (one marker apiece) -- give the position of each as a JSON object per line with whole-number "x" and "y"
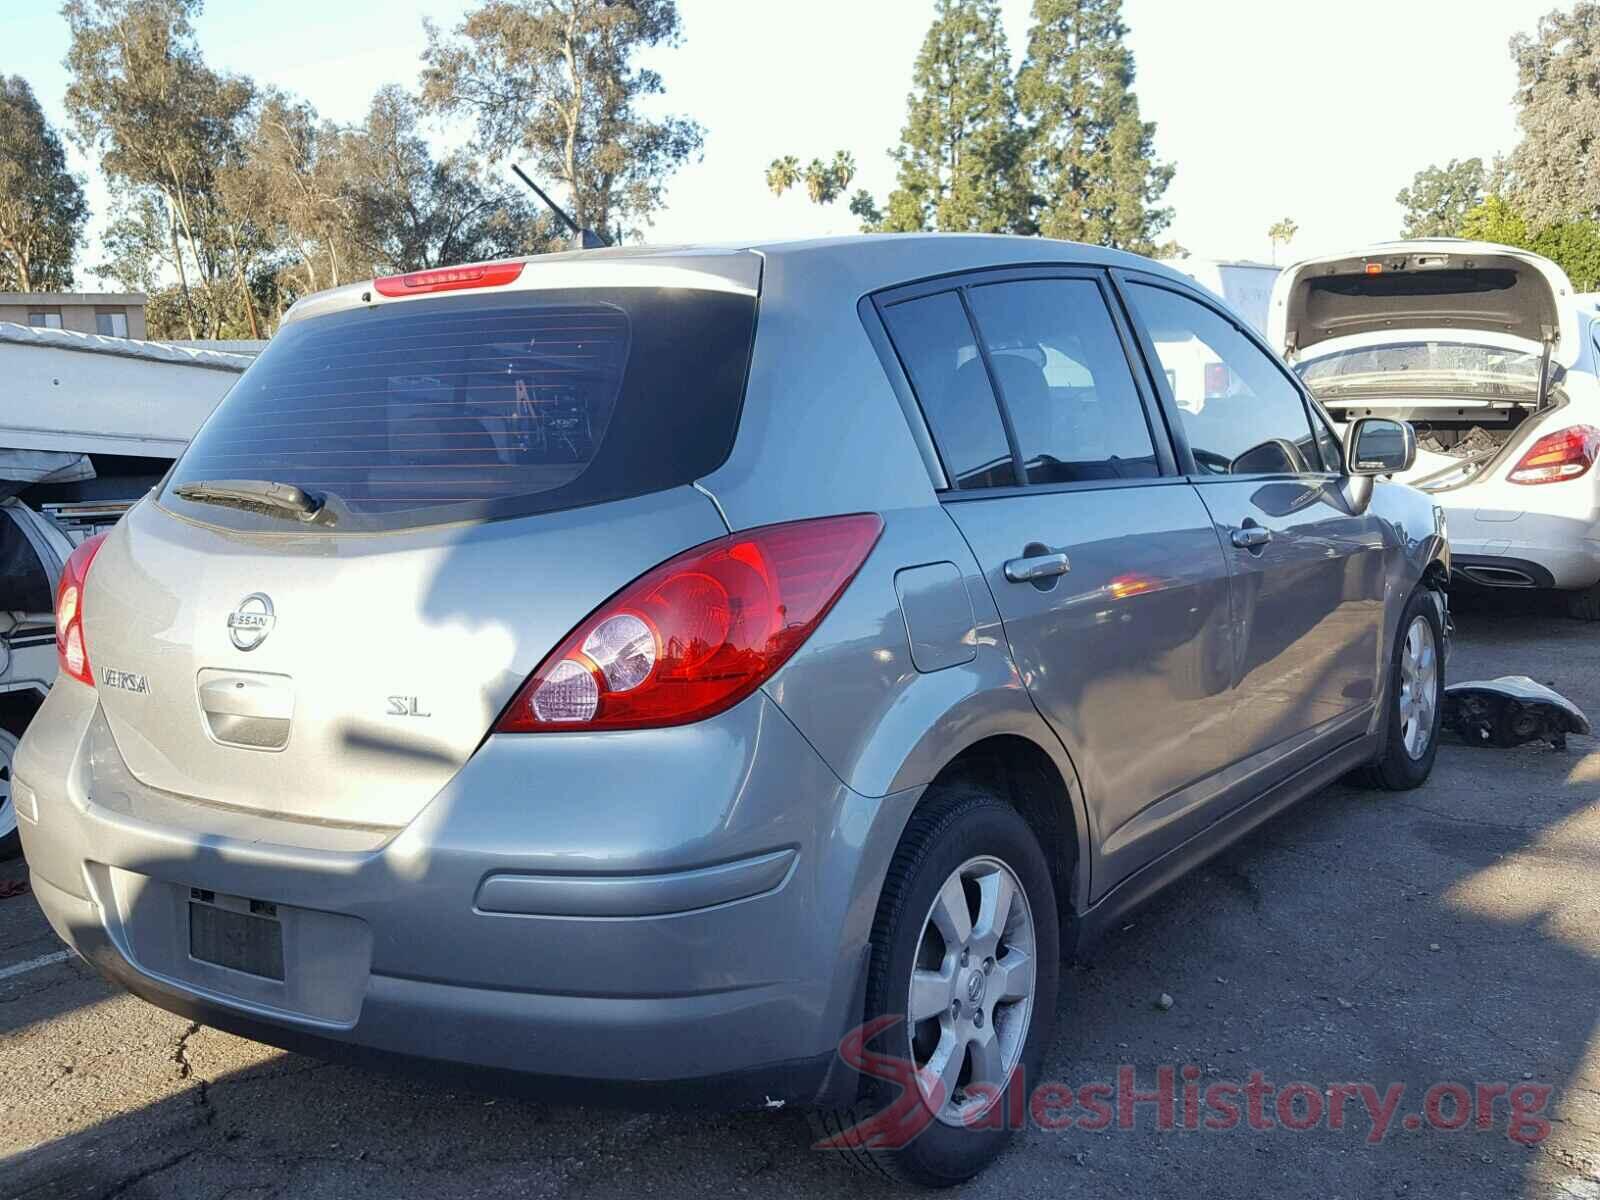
{"x": 1511, "y": 710}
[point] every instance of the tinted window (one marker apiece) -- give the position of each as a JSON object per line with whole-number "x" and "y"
{"x": 1065, "y": 380}
{"x": 936, "y": 343}
{"x": 1239, "y": 410}
{"x": 24, "y": 583}
{"x": 475, "y": 406}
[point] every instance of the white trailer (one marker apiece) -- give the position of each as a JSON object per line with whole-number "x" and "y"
{"x": 1246, "y": 286}
{"x": 88, "y": 425}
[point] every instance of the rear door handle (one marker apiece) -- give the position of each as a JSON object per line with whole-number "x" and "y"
{"x": 1037, "y": 566}
{"x": 1251, "y": 537}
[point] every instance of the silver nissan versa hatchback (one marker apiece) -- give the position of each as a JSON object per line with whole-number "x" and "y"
{"x": 730, "y": 673}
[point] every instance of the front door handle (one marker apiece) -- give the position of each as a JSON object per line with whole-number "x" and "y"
{"x": 1037, "y": 566}
{"x": 1251, "y": 537}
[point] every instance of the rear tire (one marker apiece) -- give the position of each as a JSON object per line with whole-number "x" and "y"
{"x": 1413, "y": 699}
{"x": 1584, "y": 605}
{"x": 963, "y": 849}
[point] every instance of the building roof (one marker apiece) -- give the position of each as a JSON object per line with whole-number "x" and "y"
{"x": 93, "y": 343}
{"x": 56, "y": 299}
{"x": 246, "y": 346}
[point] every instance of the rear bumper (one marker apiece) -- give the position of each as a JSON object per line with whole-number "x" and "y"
{"x": 681, "y": 917}
{"x": 386, "y": 1039}
{"x": 1517, "y": 547}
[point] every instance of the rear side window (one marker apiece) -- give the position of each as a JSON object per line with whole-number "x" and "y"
{"x": 1065, "y": 380}
{"x": 474, "y": 407}
{"x": 940, "y": 353}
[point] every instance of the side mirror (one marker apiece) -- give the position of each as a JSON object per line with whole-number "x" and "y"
{"x": 1380, "y": 446}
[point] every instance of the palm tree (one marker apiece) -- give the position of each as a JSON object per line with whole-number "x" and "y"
{"x": 783, "y": 174}
{"x": 1282, "y": 232}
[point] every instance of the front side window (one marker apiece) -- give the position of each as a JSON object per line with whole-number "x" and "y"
{"x": 1065, "y": 380}
{"x": 940, "y": 353}
{"x": 1239, "y": 410}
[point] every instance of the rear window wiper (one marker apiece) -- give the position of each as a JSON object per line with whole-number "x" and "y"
{"x": 258, "y": 495}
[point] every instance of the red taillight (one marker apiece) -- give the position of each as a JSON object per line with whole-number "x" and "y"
{"x": 72, "y": 653}
{"x": 1565, "y": 454}
{"x": 697, "y": 634}
{"x": 448, "y": 279}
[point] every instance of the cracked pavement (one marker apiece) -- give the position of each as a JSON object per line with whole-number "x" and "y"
{"x": 1445, "y": 934}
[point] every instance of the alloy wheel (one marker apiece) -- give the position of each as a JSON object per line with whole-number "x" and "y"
{"x": 972, "y": 986}
{"x": 1419, "y": 687}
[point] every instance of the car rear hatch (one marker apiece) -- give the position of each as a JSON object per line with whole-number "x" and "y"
{"x": 469, "y": 475}
{"x": 1408, "y": 286}
{"x": 1462, "y": 339}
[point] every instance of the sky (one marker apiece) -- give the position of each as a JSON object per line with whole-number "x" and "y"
{"x": 1269, "y": 108}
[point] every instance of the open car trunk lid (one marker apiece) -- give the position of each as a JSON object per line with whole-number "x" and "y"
{"x": 488, "y": 469}
{"x": 1428, "y": 284}
{"x": 1459, "y": 338}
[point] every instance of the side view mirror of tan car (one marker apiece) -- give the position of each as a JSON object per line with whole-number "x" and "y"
{"x": 1380, "y": 446}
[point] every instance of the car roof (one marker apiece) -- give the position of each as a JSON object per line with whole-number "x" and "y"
{"x": 1003, "y": 244}
{"x": 901, "y": 256}
{"x": 847, "y": 266}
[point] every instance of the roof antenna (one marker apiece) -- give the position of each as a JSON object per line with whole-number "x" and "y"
{"x": 582, "y": 239}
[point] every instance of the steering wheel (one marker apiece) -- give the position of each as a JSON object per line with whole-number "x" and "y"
{"x": 1217, "y": 464}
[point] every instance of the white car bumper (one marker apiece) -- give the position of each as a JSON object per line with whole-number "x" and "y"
{"x": 1509, "y": 535}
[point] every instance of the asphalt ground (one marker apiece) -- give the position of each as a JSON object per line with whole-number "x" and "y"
{"x": 1442, "y": 938}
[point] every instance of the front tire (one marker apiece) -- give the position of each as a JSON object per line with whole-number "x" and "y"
{"x": 1413, "y": 697}
{"x": 966, "y": 941}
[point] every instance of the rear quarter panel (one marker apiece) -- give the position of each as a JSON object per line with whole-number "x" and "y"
{"x": 821, "y": 431}
{"x": 887, "y": 728}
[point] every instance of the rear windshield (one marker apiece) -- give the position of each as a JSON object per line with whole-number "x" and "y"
{"x": 475, "y": 407}
{"x": 1421, "y": 368}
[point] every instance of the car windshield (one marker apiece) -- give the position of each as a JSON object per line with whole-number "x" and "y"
{"x": 1423, "y": 368}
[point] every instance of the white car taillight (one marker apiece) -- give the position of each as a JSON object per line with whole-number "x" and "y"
{"x": 1556, "y": 457}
